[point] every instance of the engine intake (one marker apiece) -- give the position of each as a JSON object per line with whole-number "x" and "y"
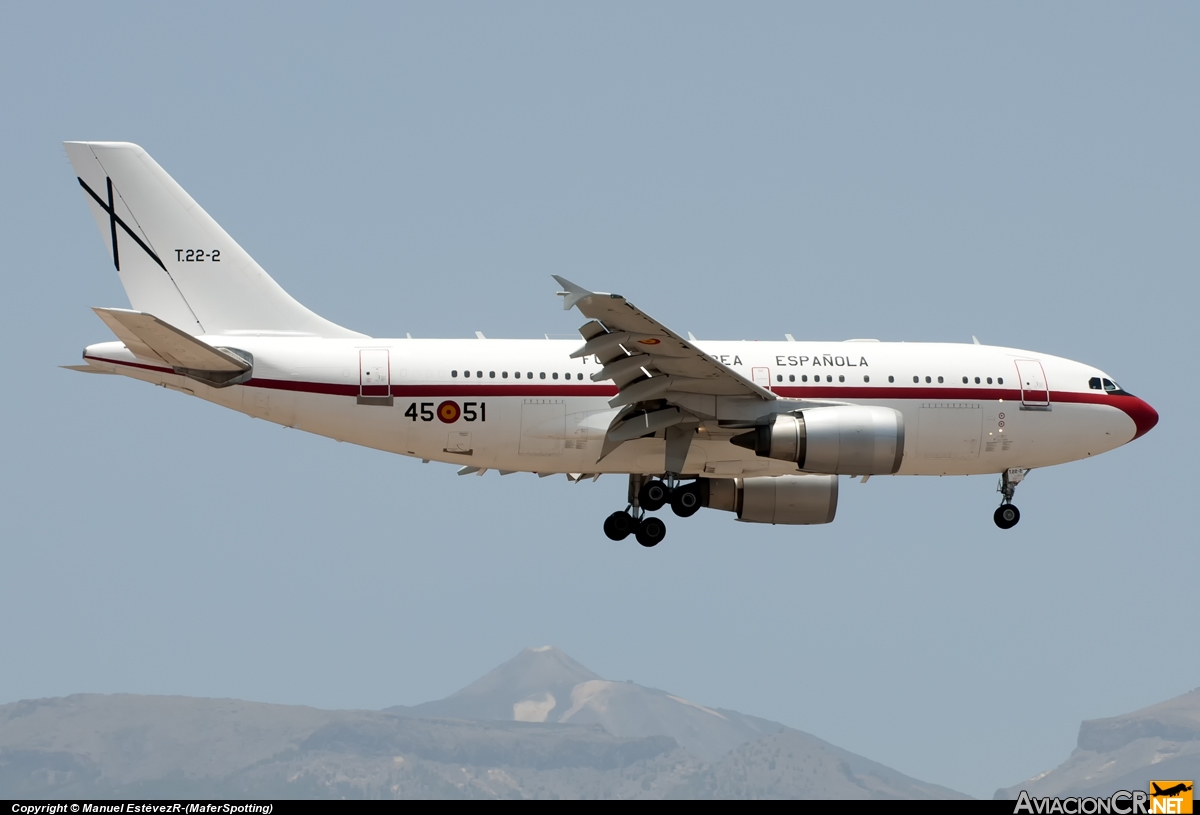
{"x": 785, "y": 499}
{"x": 844, "y": 439}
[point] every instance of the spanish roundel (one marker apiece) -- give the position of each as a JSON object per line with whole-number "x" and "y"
{"x": 448, "y": 412}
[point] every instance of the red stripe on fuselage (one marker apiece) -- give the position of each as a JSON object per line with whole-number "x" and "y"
{"x": 1144, "y": 417}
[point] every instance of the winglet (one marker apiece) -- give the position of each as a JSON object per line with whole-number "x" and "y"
{"x": 572, "y": 293}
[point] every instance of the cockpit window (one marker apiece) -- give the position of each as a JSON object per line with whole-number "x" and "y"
{"x": 1105, "y": 384}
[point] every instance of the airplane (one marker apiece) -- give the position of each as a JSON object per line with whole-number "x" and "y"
{"x": 1170, "y": 791}
{"x": 762, "y": 430}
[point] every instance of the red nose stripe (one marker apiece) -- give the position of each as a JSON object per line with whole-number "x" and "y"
{"x": 1144, "y": 417}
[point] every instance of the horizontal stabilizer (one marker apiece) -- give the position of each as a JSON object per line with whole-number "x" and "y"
{"x": 148, "y": 337}
{"x": 85, "y": 369}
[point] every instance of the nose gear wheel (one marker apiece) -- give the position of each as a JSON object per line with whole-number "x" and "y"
{"x": 1006, "y": 516}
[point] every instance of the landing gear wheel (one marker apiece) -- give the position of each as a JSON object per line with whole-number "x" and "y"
{"x": 685, "y": 501}
{"x": 1006, "y": 516}
{"x": 653, "y": 495}
{"x": 619, "y": 525}
{"x": 651, "y": 531}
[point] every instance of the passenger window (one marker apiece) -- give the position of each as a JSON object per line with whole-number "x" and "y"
{"x": 1094, "y": 383}
{"x": 916, "y": 380}
{"x": 928, "y": 380}
{"x": 779, "y": 378}
{"x": 1000, "y": 380}
{"x": 940, "y": 382}
{"x": 491, "y": 374}
{"x": 479, "y": 374}
{"x": 579, "y": 376}
{"x": 554, "y": 376}
{"x": 841, "y": 378}
{"x": 829, "y": 377}
{"x": 791, "y": 377}
{"x": 454, "y": 374}
{"x": 804, "y": 377}
{"x": 516, "y": 374}
{"x": 891, "y": 379}
{"x": 976, "y": 380}
{"x": 504, "y": 374}
{"x": 965, "y": 382}
{"x": 989, "y": 380}
{"x": 542, "y": 375}
{"x": 866, "y": 378}
{"x": 529, "y": 375}
{"x": 467, "y": 374}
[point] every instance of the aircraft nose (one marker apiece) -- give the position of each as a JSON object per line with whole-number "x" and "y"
{"x": 1144, "y": 417}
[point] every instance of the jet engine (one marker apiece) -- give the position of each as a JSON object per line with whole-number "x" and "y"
{"x": 845, "y": 439}
{"x": 785, "y": 499}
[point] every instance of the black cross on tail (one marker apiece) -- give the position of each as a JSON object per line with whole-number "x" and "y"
{"x": 114, "y": 220}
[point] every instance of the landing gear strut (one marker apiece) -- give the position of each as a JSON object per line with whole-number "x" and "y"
{"x": 1007, "y": 514}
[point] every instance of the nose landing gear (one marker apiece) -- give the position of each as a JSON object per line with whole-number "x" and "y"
{"x": 1007, "y": 515}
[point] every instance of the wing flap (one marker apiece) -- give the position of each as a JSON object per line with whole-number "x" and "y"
{"x": 632, "y": 332}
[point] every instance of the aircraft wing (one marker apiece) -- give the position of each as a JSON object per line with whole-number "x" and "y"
{"x": 643, "y": 357}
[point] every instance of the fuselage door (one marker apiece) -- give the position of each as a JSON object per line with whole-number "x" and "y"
{"x": 1035, "y": 392}
{"x": 375, "y": 377}
{"x": 761, "y": 377}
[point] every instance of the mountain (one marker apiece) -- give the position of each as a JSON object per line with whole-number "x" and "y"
{"x": 545, "y": 685}
{"x": 539, "y": 726}
{"x": 527, "y": 688}
{"x": 1126, "y": 752}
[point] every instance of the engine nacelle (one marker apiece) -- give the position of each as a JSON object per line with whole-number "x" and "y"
{"x": 785, "y": 499}
{"x": 845, "y": 439}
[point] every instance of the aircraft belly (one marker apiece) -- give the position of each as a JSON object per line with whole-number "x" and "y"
{"x": 1012, "y": 437}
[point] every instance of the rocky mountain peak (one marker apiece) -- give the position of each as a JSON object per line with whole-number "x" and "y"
{"x": 529, "y": 687}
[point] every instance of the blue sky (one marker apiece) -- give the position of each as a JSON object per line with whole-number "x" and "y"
{"x": 1026, "y": 173}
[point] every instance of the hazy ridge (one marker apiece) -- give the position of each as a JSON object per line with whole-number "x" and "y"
{"x": 581, "y": 736}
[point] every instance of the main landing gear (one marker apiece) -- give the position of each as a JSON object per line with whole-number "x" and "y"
{"x": 1007, "y": 515}
{"x": 651, "y": 496}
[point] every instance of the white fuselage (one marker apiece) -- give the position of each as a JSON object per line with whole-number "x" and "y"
{"x": 525, "y": 405}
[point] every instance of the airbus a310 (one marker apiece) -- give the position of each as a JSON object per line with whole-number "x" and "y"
{"x": 758, "y": 429}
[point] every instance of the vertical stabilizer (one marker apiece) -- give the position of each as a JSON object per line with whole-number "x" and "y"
{"x": 174, "y": 260}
